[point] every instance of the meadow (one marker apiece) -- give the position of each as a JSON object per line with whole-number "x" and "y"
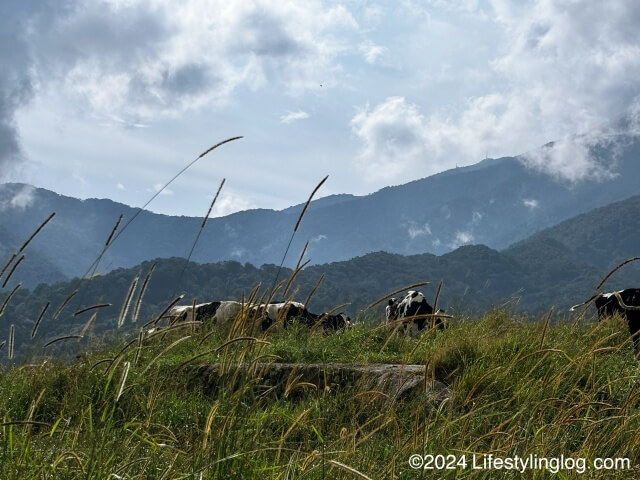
{"x": 517, "y": 386}
{"x": 136, "y": 406}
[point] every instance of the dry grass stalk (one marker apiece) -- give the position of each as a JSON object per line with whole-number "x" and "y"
{"x": 314, "y": 289}
{"x": 11, "y": 272}
{"x": 349, "y": 469}
{"x": 125, "y": 372}
{"x": 115, "y": 227}
{"x": 293, "y": 276}
{"x": 60, "y": 339}
{"x": 546, "y": 327}
{"x": 139, "y": 348}
{"x": 143, "y": 289}
{"x": 2, "y": 344}
{"x": 195, "y": 242}
{"x": 306, "y": 205}
{"x": 383, "y": 298}
{"x": 213, "y": 202}
{"x": 36, "y": 232}
{"x": 180, "y": 340}
{"x": 88, "y": 324}
{"x": 127, "y": 302}
{"x": 12, "y": 334}
{"x": 295, "y": 229}
{"x": 164, "y": 312}
{"x": 4, "y": 269}
{"x": 165, "y": 330}
{"x": 608, "y": 275}
{"x": 66, "y": 300}
{"x": 92, "y": 307}
{"x": 8, "y": 299}
{"x": 153, "y": 197}
{"x": 209, "y": 423}
{"x": 40, "y": 317}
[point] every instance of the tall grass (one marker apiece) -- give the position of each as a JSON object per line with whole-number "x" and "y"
{"x": 201, "y": 400}
{"x": 160, "y": 417}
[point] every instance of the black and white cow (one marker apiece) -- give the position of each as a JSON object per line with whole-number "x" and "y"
{"x": 329, "y": 321}
{"x": 284, "y": 311}
{"x": 626, "y": 304}
{"x": 182, "y": 313}
{"x": 412, "y": 310}
{"x": 227, "y": 312}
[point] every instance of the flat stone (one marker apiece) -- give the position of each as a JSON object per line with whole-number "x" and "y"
{"x": 290, "y": 379}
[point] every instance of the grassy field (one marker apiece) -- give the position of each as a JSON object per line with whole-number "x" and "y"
{"x": 518, "y": 387}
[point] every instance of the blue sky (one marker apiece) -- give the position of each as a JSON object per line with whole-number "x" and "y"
{"x": 110, "y": 98}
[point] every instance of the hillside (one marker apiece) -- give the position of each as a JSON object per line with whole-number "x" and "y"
{"x": 212, "y": 404}
{"x": 496, "y": 203}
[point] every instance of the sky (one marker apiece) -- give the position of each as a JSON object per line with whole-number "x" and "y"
{"x": 111, "y": 98}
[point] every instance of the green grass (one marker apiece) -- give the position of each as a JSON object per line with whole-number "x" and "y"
{"x": 513, "y": 392}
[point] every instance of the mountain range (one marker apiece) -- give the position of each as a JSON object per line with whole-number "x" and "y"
{"x": 497, "y": 203}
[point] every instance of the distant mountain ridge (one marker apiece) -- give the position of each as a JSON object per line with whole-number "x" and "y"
{"x": 496, "y": 202}
{"x": 557, "y": 267}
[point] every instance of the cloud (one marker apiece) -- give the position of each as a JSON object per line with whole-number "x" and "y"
{"x": 394, "y": 139}
{"x": 158, "y": 188}
{"x": 530, "y": 203}
{"x": 318, "y": 238}
{"x": 23, "y": 198}
{"x": 373, "y": 54}
{"x": 566, "y": 68}
{"x": 228, "y": 203}
{"x": 291, "y": 117}
{"x": 462, "y": 238}
{"x": 120, "y": 186}
{"x": 476, "y": 217}
{"x": 135, "y": 61}
{"x": 416, "y": 230}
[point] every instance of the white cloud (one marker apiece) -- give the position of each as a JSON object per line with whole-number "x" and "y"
{"x": 318, "y": 238}
{"x": 530, "y": 203}
{"x": 566, "y": 69}
{"x": 394, "y": 140}
{"x": 373, "y": 54}
{"x": 476, "y": 217}
{"x": 571, "y": 158}
{"x": 462, "y": 238}
{"x": 23, "y": 198}
{"x": 132, "y": 61}
{"x": 291, "y": 117}
{"x": 227, "y": 204}
{"x": 158, "y": 188}
{"x": 416, "y": 230}
{"x": 120, "y": 186}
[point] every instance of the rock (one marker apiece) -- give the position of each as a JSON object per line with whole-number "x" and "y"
{"x": 289, "y": 379}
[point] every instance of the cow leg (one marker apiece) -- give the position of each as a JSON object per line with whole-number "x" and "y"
{"x": 634, "y": 329}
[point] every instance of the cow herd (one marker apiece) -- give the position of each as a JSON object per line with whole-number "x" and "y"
{"x": 410, "y": 313}
{"x": 265, "y": 316}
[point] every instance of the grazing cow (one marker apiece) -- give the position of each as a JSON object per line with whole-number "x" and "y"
{"x": 227, "y": 312}
{"x": 328, "y": 321}
{"x": 413, "y": 307}
{"x": 182, "y": 313}
{"x": 625, "y": 303}
{"x": 286, "y": 311}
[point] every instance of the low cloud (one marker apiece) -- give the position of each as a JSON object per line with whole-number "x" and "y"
{"x": 228, "y": 203}
{"x": 24, "y": 198}
{"x": 565, "y": 71}
{"x": 530, "y": 203}
{"x": 574, "y": 159}
{"x": 291, "y": 117}
{"x": 416, "y": 230}
{"x": 462, "y": 238}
